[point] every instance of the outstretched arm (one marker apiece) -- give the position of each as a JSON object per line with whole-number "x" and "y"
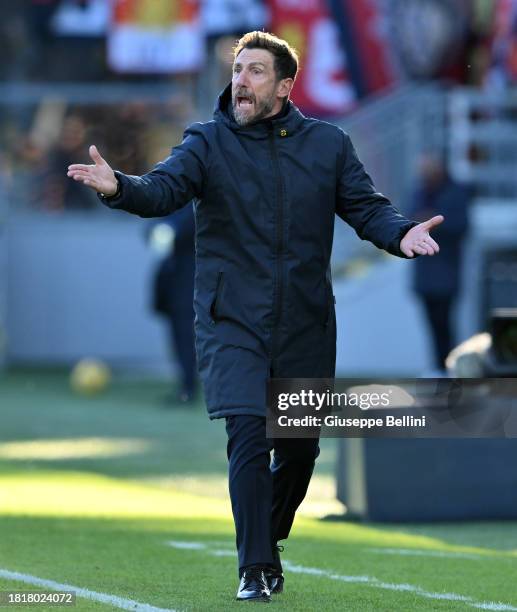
{"x": 170, "y": 185}
{"x": 370, "y": 213}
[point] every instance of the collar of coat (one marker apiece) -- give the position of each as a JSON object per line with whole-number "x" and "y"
{"x": 286, "y": 123}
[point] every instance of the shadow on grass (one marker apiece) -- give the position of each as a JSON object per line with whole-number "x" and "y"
{"x": 44, "y": 418}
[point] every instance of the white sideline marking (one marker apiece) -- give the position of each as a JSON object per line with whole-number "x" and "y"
{"x": 113, "y": 600}
{"x": 189, "y": 545}
{"x": 426, "y": 553}
{"x": 367, "y": 580}
{"x": 215, "y": 552}
{"x": 222, "y": 553}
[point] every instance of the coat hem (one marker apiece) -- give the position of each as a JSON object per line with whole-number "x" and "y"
{"x": 221, "y": 413}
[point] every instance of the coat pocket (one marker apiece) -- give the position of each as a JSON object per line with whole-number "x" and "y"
{"x": 331, "y": 300}
{"x": 214, "y": 306}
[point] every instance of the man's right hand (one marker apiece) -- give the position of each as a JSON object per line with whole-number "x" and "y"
{"x": 98, "y": 176}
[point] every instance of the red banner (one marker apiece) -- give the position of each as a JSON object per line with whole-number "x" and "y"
{"x": 323, "y": 86}
{"x": 369, "y": 29}
{"x": 503, "y": 71}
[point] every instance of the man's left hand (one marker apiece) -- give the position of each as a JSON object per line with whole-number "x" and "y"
{"x": 418, "y": 240}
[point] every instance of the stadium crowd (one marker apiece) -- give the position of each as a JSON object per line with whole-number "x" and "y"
{"x": 61, "y": 42}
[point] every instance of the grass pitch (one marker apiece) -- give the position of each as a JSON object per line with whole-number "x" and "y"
{"x": 122, "y": 497}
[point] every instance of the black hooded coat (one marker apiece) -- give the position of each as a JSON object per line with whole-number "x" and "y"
{"x": 266, "y": 199}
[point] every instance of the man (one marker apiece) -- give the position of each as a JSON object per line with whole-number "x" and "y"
{"x": 173, "y": 292}
{"x": 437, "y": 281}
{"x": 269, "y": 182}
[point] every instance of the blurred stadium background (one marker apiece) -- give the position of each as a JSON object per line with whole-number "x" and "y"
{"x": 403, "y": 77}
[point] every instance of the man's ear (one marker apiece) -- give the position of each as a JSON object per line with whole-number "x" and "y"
{"x": 284, "y": 88}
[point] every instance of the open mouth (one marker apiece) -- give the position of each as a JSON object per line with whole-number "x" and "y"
{"x": 244, "y": 102}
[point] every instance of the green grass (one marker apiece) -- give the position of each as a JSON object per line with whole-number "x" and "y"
{"x": 92, "y": 489}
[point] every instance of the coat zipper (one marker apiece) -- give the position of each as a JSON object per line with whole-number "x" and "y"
{"x": 279, "y": 244}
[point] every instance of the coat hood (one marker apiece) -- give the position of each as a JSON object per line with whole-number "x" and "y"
{"x": 290, "y": 121}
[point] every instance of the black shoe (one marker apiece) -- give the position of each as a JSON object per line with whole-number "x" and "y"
{"x": 253, "y": 585}
{"x": 275, "y": 574}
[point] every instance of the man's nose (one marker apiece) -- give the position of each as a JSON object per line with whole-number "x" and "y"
{"x": 241, "y": 79}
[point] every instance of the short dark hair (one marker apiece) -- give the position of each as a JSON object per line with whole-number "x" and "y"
{"x": 285, "y": 56}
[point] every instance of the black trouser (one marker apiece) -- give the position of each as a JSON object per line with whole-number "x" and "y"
{"x": 265, "y": 494}
{"x": 438, "y": 310}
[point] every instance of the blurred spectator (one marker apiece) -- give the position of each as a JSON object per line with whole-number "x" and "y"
{"x": 58, "y": 193}
{"x": 476, "y": 57}
{"x": 173, "y": 291}
{"x": 503, "y": 64}
{"x": 123, "y": 131}
{"x": 26, "y": 165}
{"x": 37, "y": 18}
{"x": 436, "y": 280}
{"x": 43, "y": 140}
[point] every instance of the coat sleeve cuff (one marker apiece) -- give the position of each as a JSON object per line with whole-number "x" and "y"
{"x": 394, "y": 247}
{"x": 112, "y": 201}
